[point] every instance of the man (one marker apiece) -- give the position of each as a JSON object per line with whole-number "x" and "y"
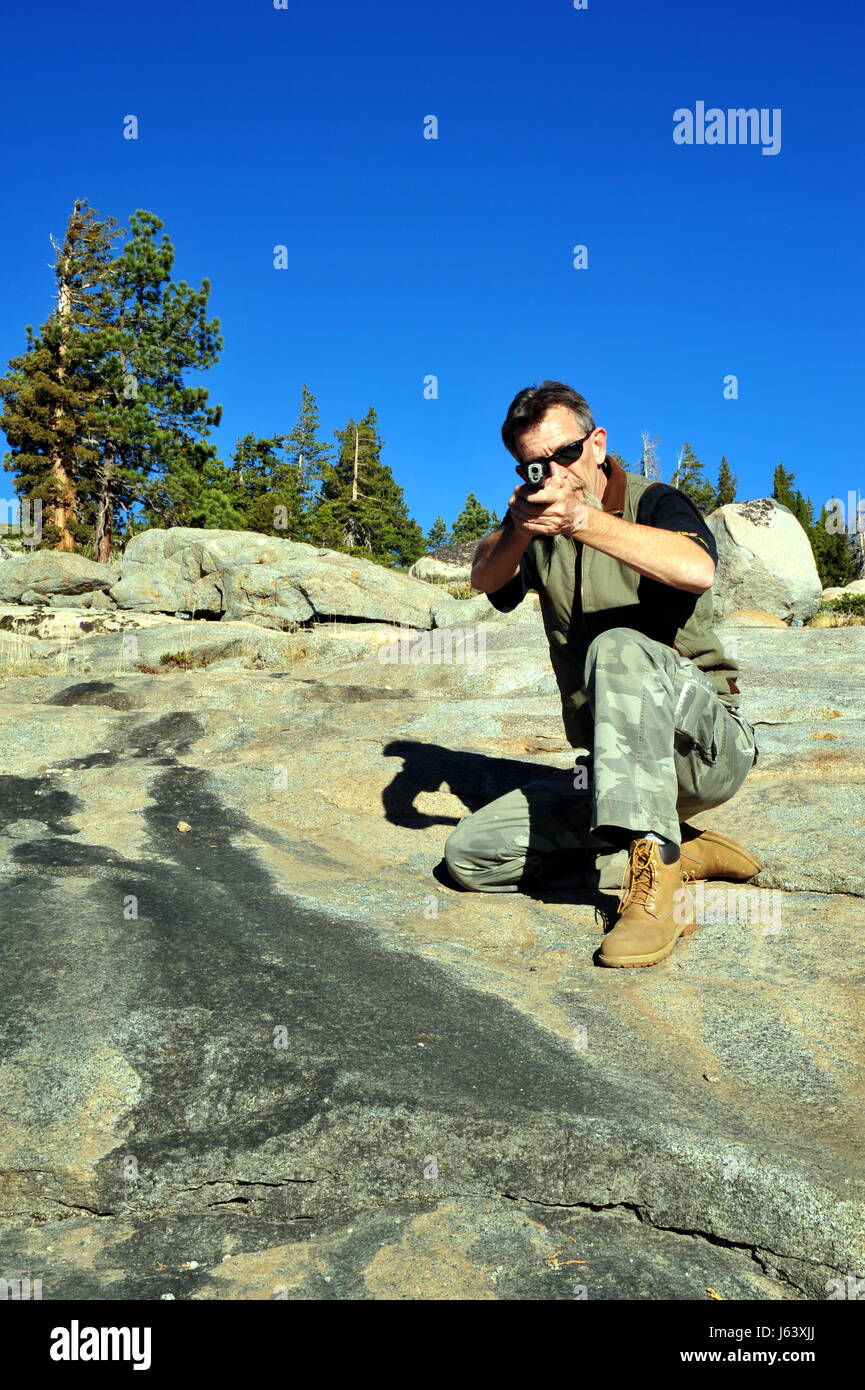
{"x": 623, "y": 568}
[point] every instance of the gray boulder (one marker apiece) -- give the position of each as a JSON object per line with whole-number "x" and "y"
{"x": 269, "y": 581}
{"x": 345, "y": 586}
{"x": 433, "y": 570}
{"x": 765, "y": 561}
{"x": 262, "y": 594}
{"x": 165, "y": 589}
{"x": 53, "y": 572}
{"x": 855, "y": 587}
{"x": 460, "y": 555}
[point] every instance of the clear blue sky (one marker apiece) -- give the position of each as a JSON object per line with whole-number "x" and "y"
{"x": 452, "y": 257}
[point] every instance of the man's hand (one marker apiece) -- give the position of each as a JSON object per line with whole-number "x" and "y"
{"x": 559, "y": 508}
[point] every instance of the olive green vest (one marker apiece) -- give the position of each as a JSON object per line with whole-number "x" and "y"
{"x": 565, "y": 568}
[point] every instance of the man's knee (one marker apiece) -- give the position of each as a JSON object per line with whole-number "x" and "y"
{"x": 624, "y": 644}
{"x": 462, "y": 854}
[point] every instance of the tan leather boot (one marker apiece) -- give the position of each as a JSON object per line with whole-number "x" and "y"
{"x": 655, "y": 909}
{"x": 710, "y": 855}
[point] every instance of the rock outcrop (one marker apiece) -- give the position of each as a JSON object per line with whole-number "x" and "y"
{"x": 855, "y": 587}
{"x": 765, "y": 561}
{"x": 259, "y": 1045}
{"x": 48, "y": 572}
{"x": 238, "y": 575}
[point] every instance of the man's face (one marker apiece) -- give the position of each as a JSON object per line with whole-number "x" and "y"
{"x": 560, "y": 426}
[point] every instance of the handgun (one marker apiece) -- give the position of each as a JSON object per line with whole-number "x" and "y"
{"x": 537, "y": 474}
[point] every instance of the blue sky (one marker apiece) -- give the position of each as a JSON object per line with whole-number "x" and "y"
{"x": 453, "y": 257}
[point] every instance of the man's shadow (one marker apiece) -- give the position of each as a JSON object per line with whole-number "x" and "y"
{"x": 476, "y": 779}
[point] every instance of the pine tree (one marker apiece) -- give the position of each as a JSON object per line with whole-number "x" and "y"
{"x": 270, "y": 487}
{"x": 473, "y": 522}
{"x": 782, "y": 491}
{"x": 52, "y": 390}
{"x": 437, "y": 535}
{"x": 360, "y": 506}
{"x": 152, "y": 426}
{"x": 834, "y": 553}
{"x": 726, "y": 490}
{"x": 306, "y": 450}
{"x": 202, "y": 492}
{"x": 617, "y": 458}
{"x": 782, "y": 486}
{"x": 689, "y": 479}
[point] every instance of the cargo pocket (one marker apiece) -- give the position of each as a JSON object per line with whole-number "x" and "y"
{"x": 748, "y": 729}
{"x": 694, "y": 719}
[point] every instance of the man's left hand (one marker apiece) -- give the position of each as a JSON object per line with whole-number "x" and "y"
{"x": 560, "y": 507}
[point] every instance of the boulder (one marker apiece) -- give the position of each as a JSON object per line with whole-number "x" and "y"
{"x": 52, "y": 626}
{"x": 345, "y": 586}
{"x": 246, "y": 575}
{"x": 461, "y": 555}
{"x": 751, "y": 617}
{"x": 440, "y": 571}
{"x": 53, "y": 572}
{"x": 855, "y": 587}
{"x": 166, "y": 589}
{"x": 765, "y": 561}
{"x": 262, "y": 594}
{"x": 459, "y": 612}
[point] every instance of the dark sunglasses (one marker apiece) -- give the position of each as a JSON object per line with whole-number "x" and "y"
{"x": 536, "y": 470}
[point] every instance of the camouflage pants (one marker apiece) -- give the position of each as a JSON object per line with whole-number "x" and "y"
{"x": 665, "y": 748}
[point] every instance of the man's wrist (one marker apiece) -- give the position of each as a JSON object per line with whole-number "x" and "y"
{"x": 586, "y": 522}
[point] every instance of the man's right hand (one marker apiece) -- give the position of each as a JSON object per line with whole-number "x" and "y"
{"x": 558, "y": 508}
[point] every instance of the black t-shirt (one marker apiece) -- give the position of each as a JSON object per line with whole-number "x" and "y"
{"x": 662, "y": 506}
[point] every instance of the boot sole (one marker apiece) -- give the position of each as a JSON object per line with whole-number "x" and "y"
{"x": 654, "y": 957}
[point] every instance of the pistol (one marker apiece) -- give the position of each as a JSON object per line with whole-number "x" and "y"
{"x": 537, "y": 474}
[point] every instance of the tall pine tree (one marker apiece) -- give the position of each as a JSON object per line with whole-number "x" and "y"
{"x": 270, "y": 487}
{"x": 726, "y": 490}
{"x": 151, "y": 424}
{"x": 360, "y": 507}
{"x": 304, "y": 448}
{"x": 690, "y": 479}
{"x": 833, "y": 551}
{"x": 473, "y": 522}
{"x": 52, "y": 393}
{"x": 437, "y": 535}
{"x": 782, "y": 491}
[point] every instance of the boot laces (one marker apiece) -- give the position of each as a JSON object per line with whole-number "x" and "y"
{"x": 639, "y": 877}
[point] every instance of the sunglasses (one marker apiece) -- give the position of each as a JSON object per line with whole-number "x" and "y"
{"x": 536, "y": 470}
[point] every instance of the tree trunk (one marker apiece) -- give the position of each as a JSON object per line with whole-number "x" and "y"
{"x": 64, "y": 506}
{"x": 104, "y": 528}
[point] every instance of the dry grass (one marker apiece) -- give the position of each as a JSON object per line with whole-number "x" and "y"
{"x": 836, "y": 620}
{"x": 18, "y": 659}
